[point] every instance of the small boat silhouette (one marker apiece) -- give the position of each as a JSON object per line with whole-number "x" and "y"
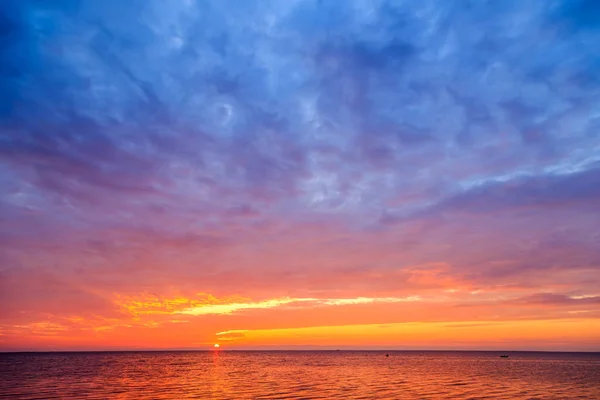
{"x": 504, "y": 356}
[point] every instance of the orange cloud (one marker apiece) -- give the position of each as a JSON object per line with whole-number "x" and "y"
{"x": 147, "y": 304}
{"x": 480, "y": 334}
{"x": 206, "y": 304}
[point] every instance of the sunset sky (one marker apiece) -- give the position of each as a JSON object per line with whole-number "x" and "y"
{"x": 299, "y": 174}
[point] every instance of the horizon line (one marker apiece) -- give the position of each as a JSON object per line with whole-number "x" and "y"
{"x": 221, "y": 350}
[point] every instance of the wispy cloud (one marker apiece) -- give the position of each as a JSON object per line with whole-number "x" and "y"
{"x": 209, "y": 305}
{"x": 305, "y": 155}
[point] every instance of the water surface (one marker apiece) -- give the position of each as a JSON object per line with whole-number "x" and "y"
{"x": 300, "y": 375}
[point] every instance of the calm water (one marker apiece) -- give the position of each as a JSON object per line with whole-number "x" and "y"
{"x": 300, "y": 375}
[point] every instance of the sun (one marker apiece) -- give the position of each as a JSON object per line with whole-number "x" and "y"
{"x": 216, "y": 346}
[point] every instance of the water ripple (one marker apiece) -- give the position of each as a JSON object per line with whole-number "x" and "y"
{"x": 299, "y": 375}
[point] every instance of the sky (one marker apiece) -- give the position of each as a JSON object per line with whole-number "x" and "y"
{"x": 299, "y": 174}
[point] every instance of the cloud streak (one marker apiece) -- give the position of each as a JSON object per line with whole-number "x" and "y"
{"x": 210, "y": 305}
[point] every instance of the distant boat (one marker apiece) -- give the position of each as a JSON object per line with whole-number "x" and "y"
{"x": 504, "y": 356}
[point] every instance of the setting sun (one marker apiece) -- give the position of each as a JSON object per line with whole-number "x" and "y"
{"x": 216, "y": 345}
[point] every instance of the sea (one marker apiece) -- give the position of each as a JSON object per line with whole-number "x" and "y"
{"x": 300, "y": 375}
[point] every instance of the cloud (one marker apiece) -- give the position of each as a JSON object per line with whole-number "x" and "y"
{"x": 204, "y": 304}
{"x": 310, "y": 151}
{"x": 545, "y": 190}
{"x": 558, "y": 299}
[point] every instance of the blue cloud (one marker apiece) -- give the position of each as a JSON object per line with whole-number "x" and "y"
{"x": 113, "y": 111}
